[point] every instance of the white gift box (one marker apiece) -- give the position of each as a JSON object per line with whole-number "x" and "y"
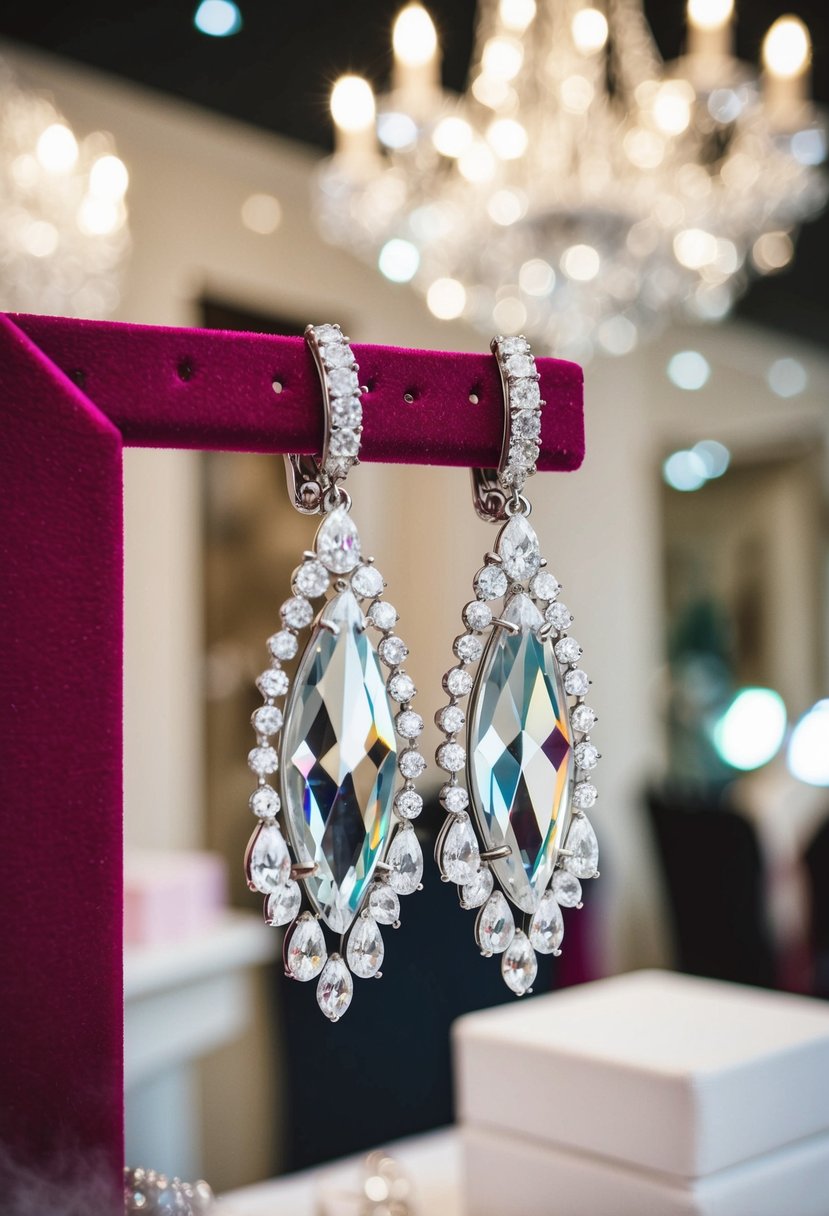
{"x": 651, "y": 1093}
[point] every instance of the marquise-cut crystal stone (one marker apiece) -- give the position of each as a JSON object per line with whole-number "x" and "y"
{"x": 365, "y": 948}
{"x": 547, "y": 925}
{"x": 517, "y": 546}
{"x": 583, "y": 848}
{"x": 495, "y": 927}
{"x": 477, "y": 892}
{"x": 268, "y": 864}
{"x": 521, "y": 755}
{"x": 405, "y": 861}
{"x": 335, "y": 988}
{"x": 338, "y": 542}
{"x": 459, "y": 855}
{"x": 305, "y": 952}
{"x": 339, "y": 757}
{"x": 283, "y": 905}
{"x": 519, "y": 966}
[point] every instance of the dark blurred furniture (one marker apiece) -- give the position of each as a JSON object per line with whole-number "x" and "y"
{"x": 714, "y": 879}
{"x": 816, "y": 861}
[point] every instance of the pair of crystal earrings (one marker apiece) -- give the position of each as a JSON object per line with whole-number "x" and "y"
{"x": 516, "y": 840}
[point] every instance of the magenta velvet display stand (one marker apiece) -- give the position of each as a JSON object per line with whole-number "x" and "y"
{"x": 73, "y": 393}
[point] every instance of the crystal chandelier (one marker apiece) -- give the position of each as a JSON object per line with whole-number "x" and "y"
{"x": 581, "y": 189}
{"x": 63, "y": 230}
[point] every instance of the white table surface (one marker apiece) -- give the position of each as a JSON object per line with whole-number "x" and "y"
{"x": 432, "y": 1162}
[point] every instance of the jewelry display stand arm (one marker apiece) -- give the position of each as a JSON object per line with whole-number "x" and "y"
{"x": 73, "y": 394}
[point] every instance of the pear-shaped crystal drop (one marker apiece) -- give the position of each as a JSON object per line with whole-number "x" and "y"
{"x": 405, "y": 862}
{"x": 495, "y": 927}
{"x": 567, "y": 889}
{"x": 365, "y": 948}
{"x": 384, "y": 904}
{"x": 517, "y": 546}
{"x": 478, "y": 891}
{"x": 547, "y": 925}
{"x": 520, "y": 754}
{"x": 268, "y": 863}
{"x": 519, "y": 966}
{"x": 305, "y": 952}
{"x": 335, "y": 988}
{"x": 283, "y": 905}
{"x": 583, "y": 849}
{"x": 460, "y": 857}
{"x": 338, "y": 543}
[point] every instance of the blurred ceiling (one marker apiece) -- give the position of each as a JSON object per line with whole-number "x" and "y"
{"x": 277, "y": 71}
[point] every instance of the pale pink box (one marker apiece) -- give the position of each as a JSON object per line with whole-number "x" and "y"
{"x": 171, "y": 895}
{"x": 650, "y": 1094}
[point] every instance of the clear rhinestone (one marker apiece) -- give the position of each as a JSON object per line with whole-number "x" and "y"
{"x": 346, "y": 411}
{"x": 584, "y": 795}
{"x": 411, "y": 763}
{"x": 468, "y": 648}
{"x": 283, "y": 905}
{"x": 490, "y": 583}
{"x": 384, "y": 904}
{"x": 344, "y": 441}
{"x": 583, "y": 848}
{"x": 392, "y": 650}
{"x": 343, "y": 382}
{"x": 513, "y": 345}
{"x": 339, "y": 761}
{"x": 401, "y": 687}
{"x": 454, "y": 798}
{"x": 477, "y": 615}
{"x": 305, "y": 952}
{"x": 268, "y": 862}
{"x": 547, "y": 925}
{"x": 283, "y": 645}
{"x": 450, "y": 719}
{"x": 559, "y": 616}
{"x": 365, "y": 948}
{"x": 566, "y": 888}
{"x": 525, "y": 394}
{"x": 382, "y": 615}
{"x": 520, "y": 755}
{"x": 576, "y": 682}
{"x": 297, "y": 612}
{"x": 587, "y": 756}
{"x": 335, "y": 989}
{"x": 523, "y": 452}
{"x": 409, "y": 804}
{"x": 264, "y": 802}
{"x": 337, "y": 354}
{"x": 327, "y": 333}
{"x": 545, "y": 586}
{"x": 460, "y": 858}
{"x": 337, "y": 466}
{"x": 526, "y": 424}
{"x": 337, "y": 542}
{"x": 568, "y": 650}
{"x": 517, "y": 545}
{"x": 273, "y": 682}
{"x": 519, "y": 366}
{"x": 458, "y": 682}
{"x": 263, "y": 761}
{"x": 451, "y": 757}
{"x": 311, "y": 579}
{"x": 267, "y": 720}
{"x": 405, "y": 862}
{"x": 478, "y": 891}
{"x": 495, "y": 927}
{"x": 519, "y": 966}
{"x": 408, "y": 724}
{"x": 583, "y": 718}
{"x": 367, "y": 581}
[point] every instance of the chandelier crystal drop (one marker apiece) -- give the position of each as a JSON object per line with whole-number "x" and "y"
{"x": 63, "y": 218}
{"x": 581, "y": 190}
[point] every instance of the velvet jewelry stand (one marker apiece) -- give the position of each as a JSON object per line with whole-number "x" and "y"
{"x": 73, "y": 394}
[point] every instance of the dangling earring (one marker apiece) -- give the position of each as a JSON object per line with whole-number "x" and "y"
{"x": 347, "y": 786}
{"x": 526, "y": 756}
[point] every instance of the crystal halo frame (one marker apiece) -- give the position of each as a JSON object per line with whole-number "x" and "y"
{"x": 360, "y": 796}
{"x": 516, "y": 839}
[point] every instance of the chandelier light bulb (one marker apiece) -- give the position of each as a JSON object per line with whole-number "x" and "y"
{"x": 671, "y": 108}
{"x": 589, "y": 30}
{"x": 352, "y": 104}
{"x": 398, "y": 260}
{"x": 446, "y": 299}
{"x": 580, "y": 262}
{"x": 108, "y": 178}
{"x": 507, "y": 138}
{"x": 476, "y": 163}
{"x": 452, "y": 136}
{"x": 516, "y": 15}
{"x": 414, "y": 37}
{"x": 710, "y": 14}
{"x": 502, "y": 58}
{"x": 57, "y": 149}
{"x": 787, "y": 48}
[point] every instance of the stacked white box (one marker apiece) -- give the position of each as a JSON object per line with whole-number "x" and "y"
{"x": 648, "y": 1094}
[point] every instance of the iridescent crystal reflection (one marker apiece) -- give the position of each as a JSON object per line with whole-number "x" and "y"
{"x": 339, "y": 762}
{"x": 520, "y": 754}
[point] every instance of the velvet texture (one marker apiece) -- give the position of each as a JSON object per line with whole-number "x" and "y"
{"x": 72, "y": 393}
